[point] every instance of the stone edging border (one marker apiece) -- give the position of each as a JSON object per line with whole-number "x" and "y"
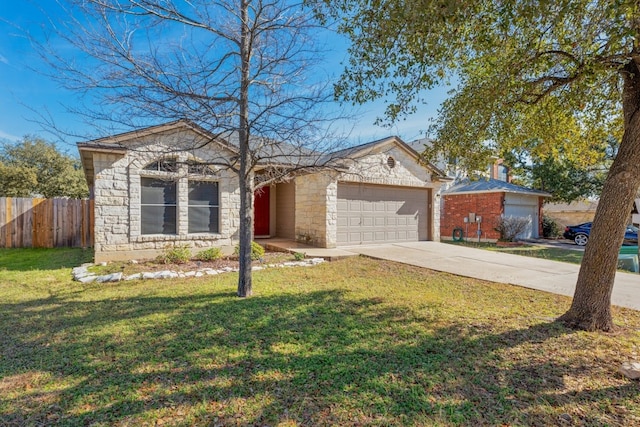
{"x": 83, "y": 275}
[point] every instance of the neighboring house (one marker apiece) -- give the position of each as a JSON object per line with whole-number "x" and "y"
{"x": 162, "y": 186}
{"x": 491, "y": 200}
{"x": 489, "y": 195}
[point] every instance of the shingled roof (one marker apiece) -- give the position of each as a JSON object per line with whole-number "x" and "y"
{"x": 492, "y": 186}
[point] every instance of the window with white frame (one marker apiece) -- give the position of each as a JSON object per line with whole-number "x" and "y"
{"x": 158, "y": 206}
{"x": 204, "y": 207}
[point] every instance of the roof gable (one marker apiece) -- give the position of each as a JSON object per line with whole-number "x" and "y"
{"x": 120, "y": 141}
{"x": 376, "y": 146}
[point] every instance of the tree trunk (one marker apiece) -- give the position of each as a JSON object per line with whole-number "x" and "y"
{"x": 591, "y": 306}
{"x": 244, "y": 174}
{"x": 246, "y": 237}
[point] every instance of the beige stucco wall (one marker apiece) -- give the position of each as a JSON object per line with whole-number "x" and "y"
{"x": 285, "y": 205}
{"x": 117, "y": 198}
{"x": 565, "y": 214}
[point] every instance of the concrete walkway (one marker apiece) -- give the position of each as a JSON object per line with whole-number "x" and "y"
{"x": 535, "y": 273}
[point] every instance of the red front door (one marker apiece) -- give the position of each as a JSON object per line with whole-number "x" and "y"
{"x": 261, "y": 212}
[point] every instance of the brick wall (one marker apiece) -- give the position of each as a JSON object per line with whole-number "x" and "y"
{"x": 457, "y": 207}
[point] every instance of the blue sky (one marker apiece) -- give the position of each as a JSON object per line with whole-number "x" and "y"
{"x": 26, "y": 93}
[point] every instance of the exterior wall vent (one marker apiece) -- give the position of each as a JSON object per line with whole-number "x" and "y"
{"x": 391, "y": 162}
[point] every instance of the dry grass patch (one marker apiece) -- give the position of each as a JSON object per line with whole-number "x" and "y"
{"x": 354, "y": 342}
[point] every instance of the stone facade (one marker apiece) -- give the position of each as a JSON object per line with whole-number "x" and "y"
{"x": 316, "y": 209}
{"x": 403, "y": 170}
{"x": 316, "y": 194}
{"x": 117, "y": 192}
{"x": 117, "y": 176}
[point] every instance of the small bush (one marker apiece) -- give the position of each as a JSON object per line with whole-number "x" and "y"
{"x": 299, "y": 256}
{"x": 257, "y": 251}
{"x": 550, "y": 228}
{"x": 210, "y": 254}
{"x": 509, "y": 227}
{"x": 174, "y": 255}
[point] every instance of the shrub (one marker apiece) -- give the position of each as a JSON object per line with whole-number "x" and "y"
{"x": 257, "y": 251}
{"x": 509, "y": 227}
{"x": 210, "y": 254}
{"x": 550, "y": 228}
{"x": 174, "y": 255}
{"x": 299, "y": 256}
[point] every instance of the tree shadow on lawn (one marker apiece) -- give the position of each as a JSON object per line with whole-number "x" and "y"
{"x": 318, "y": 358}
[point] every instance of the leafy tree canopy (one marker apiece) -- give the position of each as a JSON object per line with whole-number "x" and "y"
{"x": 563, "y": 173}
{"x": 35, "y": 167}
{"x": 525, "y": 69}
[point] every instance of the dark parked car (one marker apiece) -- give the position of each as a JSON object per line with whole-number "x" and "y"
{"x": 580, "y": 234}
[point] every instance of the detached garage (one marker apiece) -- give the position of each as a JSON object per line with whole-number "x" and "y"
{"x": 490, "y": 199}
{"x": 381, "y": 214}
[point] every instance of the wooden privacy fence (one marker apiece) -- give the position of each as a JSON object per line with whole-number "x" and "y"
{"x": 45, "y": 223}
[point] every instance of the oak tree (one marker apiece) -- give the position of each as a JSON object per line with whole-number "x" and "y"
{"x": 34, "y": 167}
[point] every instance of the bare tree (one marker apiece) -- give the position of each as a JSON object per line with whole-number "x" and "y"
{"x": 237, "y": 68}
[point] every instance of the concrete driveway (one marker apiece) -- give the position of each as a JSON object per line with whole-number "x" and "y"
{"x": 535, "y": 273}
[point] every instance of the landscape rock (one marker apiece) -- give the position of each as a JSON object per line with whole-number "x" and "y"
{"x": 87, "y": 279}
{"x": 80, "y": 272}
{"x": 630, "y": 370}
{"x": 114, "y": 277}
{"x": 83, "y": 275}
{"x": 165, "y": 274}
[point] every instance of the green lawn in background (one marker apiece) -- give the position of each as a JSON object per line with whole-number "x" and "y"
{"x": 536, "y": 251}
{"x": 354, "y": 342}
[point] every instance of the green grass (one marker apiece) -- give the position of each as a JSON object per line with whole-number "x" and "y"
{"x": 43, "y": 259}
{"x": 536, "y": 251}
{"x": 555, "y": 254}
{"x": 354, "y": 342}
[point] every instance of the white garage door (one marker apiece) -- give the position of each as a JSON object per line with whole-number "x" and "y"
{"x": 380, "y": 214}
{"x": 518, "y": 205}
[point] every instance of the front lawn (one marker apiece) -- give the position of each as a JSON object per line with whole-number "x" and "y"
{"x": 354, "y": 342}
